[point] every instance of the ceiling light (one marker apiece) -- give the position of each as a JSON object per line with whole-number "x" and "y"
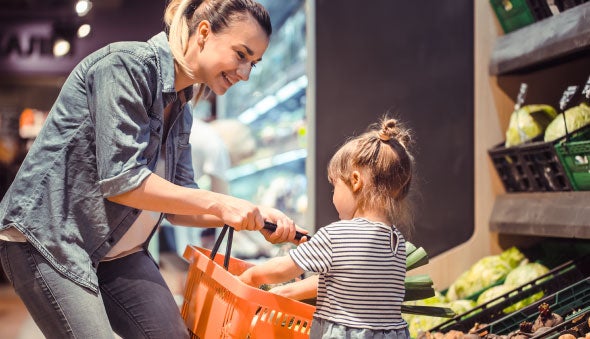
{"x": 61, "y": 47}
{"x": 84, "y": 30}
{"x": 83, "y": 7}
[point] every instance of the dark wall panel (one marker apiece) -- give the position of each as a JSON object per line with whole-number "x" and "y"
{"x": 415, "y": 60}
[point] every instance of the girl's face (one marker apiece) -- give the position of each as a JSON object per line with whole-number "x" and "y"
{"x": 344, "y": 200}
{"x": 221, "y": 59}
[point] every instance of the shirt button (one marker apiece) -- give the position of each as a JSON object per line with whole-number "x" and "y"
{"x": 111, "y": 240}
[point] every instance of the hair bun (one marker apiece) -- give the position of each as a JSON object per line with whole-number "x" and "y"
{"x": 391, "y": 129}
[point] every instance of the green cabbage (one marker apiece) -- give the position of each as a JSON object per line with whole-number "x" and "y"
{"x": 484, "y": 273}
{"x": 577, "y": 117}
{"x": 492, "y": 293}
{"x": 517, "y": 277}
{"x": 528, "y": 122}
{"x": 525, "y": 273}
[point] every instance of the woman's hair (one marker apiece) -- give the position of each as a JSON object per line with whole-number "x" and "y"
{"x": 183, "y": 16}
{"x": 382, "y": 158}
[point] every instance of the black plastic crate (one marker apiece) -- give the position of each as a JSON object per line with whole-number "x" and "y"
{"x": 513, "y": 172}
{"x": 542, "y": 162}
{"x": 535, "y": 166}
{"x": 566, "y": 274}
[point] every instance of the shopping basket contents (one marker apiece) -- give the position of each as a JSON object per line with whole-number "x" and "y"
{"x": 218, "y": 305}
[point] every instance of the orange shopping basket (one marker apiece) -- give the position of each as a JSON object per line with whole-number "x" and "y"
{"x": 218, "y": 305}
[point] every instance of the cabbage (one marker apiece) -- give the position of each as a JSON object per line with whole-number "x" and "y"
{"x": 577, "y": 117}
{"x": 528, "y": 122}
{"x": 492, "y": 293}
{"x": 517, "y": 277}
{"x": 484, "y": 273}
{"x": 525, "y": 273}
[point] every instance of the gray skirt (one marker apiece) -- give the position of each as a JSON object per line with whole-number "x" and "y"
{"x": 325, "y": 329}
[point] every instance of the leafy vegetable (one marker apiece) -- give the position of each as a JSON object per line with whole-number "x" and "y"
{"x": 528, "y": 122}
{"x": 485, "y": 273}
{"x": 576, "y": 117}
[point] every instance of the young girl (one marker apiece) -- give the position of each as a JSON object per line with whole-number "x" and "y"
{"x": 361, "y": 258}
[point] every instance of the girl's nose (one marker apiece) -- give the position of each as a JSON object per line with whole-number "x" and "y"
{"x": 243, "y": 71}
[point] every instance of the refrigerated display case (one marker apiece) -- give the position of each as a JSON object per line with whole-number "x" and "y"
{"x": 272, "y": 104}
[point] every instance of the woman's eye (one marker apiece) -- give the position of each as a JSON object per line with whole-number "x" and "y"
{"x": 253, "y": 65}
{"x": 241, "y": 55}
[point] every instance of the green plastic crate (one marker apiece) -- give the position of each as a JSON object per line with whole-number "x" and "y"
{"x": 575, "y": 157}
{"x": 512, "y": 14}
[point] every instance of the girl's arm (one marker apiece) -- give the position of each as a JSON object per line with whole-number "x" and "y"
{"x": 299, "y": 290}
{"x": 276, "y": 270}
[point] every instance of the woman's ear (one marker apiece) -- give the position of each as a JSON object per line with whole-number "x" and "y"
{"x": 356, "y": 181}
{"x": 203, "y": 31}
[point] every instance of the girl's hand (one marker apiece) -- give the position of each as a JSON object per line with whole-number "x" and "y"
{"x": 286, "y": 228}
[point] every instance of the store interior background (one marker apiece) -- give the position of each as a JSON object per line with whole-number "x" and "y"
{"x": 333, "y": 68}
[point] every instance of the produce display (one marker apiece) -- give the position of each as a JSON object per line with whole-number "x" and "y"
{"x": 544, "y": 326}
{"x": 527, "y": 123}
{"x": 485, "y": 273}
{"x": 488, "y": 278}
{"x": 517, "y": 277}
{"x": 576, "y": 117}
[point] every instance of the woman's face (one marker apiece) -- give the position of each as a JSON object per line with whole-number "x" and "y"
{"x": 221, "y": 59}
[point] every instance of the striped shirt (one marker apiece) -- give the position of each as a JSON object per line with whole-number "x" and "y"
{"x": 362, "y": 266}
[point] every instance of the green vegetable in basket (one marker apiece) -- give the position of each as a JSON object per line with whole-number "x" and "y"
{"x": 528, "y": 122}
{"x": 525, "y": 273}
{"x": 484, "y": 273}
{"x": 492, "y": 293}
{"x": 577, "y": 117}
{"x": 517, "y": 277}
{"x": 522, "y": 275}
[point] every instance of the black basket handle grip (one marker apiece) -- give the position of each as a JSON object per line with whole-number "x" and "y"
{"x": 273, "y": 227}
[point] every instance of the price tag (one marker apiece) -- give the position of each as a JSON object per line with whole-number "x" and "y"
{"x": 521, "y": 96}
{"x": 567, "y": 96}
{"x": 586, "y": 91}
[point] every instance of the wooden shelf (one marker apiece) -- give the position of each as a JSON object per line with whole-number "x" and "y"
{"x": 544, "y": 214}
{"x": 549, "y": 40}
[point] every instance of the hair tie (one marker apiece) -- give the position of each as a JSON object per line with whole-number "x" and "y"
{"x": 384, "y": 136}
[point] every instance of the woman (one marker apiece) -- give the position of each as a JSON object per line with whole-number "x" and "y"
{"x": 76, "y": 221}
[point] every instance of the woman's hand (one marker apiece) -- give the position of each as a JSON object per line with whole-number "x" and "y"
{"x": 286, "y": 227}
{"x": 240, "y": 214}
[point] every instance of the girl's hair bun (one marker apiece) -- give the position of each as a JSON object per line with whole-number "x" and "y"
{"x": 392, "y": 129}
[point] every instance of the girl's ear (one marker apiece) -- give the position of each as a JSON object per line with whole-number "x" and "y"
{"x": 356, "y": 181}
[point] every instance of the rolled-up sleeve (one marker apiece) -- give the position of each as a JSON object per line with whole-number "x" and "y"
{"x": 119, "y": 95}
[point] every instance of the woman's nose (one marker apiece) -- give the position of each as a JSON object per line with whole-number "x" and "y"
{"x": 244, "y": 71}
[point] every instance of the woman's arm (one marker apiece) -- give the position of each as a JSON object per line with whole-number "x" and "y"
{"x": 197, "y": 207}
{"x": 158, "y": 194}
{"x": 276, "y": 270}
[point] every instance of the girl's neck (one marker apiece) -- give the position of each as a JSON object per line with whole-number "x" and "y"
{"x": 375, "y": 216}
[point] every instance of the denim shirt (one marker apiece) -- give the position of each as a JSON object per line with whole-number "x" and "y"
{"x": 102, "y": 138}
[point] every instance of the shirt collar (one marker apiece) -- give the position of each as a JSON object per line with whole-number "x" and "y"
{"x": 166, "y": 60}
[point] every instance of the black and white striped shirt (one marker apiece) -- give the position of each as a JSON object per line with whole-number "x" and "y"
{"x": 362, "y": 266}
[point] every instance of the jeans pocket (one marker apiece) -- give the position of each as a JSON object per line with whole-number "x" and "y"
{"x": 4, "y": 260}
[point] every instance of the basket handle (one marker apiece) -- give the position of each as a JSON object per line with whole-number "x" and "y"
{"x": 267, "y": 225}
{"x": 215, "y": 248}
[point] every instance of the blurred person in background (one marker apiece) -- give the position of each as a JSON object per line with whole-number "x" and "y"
{"x": 111, "y": 161}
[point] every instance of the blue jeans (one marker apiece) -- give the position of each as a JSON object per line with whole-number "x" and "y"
{"x": 134, "y": 300}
